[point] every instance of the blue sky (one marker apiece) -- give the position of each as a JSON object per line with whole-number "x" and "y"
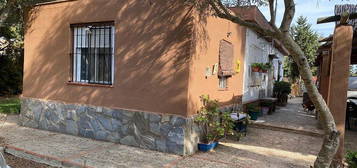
{"x": 312, "y": 9}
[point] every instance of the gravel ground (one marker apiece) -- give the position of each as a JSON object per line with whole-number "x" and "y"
{"x": 15, "y": 162}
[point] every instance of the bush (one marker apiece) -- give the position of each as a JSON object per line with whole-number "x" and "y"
{"x": 282, "y": 87}
{"x": 10, "y": 106}
{"x": 214, "y": 124}
{"x": 11, "y": 60}
{"x": 351, "y": 158}
{"x": 252, "y": 108}
{"x": 281, "y": 91}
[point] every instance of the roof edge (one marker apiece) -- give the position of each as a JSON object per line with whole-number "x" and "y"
{"x": 53, "y": 2}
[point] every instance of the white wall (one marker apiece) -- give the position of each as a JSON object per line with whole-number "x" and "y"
{"x": 257, "y": 49}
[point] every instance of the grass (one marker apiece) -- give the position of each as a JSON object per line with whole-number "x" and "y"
{"x": 10, "y": 106}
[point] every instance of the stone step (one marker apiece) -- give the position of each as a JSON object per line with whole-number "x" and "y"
{"x": 315, "y": 133}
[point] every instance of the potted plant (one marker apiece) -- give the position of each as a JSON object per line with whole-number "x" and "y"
{"x": 213, "y": 123}
{"x": 253, "y": 111}
{"x": 256, "y": 67}
{"x": 281, "y": 91}
{"x": 266, "y": 67}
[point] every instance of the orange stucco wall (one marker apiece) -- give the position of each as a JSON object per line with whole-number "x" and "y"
{"x": 209, "y": 31}
{"x": 153, "y": 42}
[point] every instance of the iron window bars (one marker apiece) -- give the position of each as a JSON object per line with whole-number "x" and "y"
{"x": 93, "y": 53}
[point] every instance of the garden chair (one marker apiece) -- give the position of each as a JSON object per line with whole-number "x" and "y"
{"x": 239, "y": 118}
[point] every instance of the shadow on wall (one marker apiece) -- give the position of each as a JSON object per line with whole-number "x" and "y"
{"x": 153, "y": 46}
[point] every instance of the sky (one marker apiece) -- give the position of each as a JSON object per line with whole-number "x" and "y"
{"x": 312, "y": 9}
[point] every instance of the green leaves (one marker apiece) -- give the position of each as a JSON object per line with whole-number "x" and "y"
{"x": 308, "y": 40}
{"x": 214, "y": 123}
{"x": 351, "y": 158}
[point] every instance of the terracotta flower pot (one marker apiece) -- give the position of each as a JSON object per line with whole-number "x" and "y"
{"x": 255, "y": 69}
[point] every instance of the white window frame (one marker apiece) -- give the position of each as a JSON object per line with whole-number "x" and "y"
{"x": 223, "y": 82}
{"x": 77, "y": 57}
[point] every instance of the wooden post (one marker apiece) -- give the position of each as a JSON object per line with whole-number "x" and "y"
{"x": 339, "y": 73}
{"x": 325, "y": 74}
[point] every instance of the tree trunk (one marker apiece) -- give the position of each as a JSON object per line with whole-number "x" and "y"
{"x": 331, "y": 137}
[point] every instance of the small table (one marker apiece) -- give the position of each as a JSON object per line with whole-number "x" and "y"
{"x": 270, "y": 99}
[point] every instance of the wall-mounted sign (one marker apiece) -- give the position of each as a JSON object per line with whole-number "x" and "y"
{"x": 237, "y": 66}
{"x": 208, "y": 72}
{"x": 215, "y": 69}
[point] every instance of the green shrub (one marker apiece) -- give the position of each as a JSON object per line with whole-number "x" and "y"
{"x": 282, "y": 87}
{"x": 266, "y": 104}
{"x": 10, "y": 106}
{"x": 252, "y": 107}
{"x": 258, "y": 65}
{"x": 281, "y": 91}
{"x": 214, "y": 124}
{"x": 351, "y": 158}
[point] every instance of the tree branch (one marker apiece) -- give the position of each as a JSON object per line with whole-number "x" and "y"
{"x": 222, "y": 12}
{"x": 288, "y": 16}
{"x": 272, "y": 10}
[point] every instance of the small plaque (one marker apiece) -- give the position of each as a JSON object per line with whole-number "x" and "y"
{"x": 215, "y": 69}
{"x": 208, "y": 71}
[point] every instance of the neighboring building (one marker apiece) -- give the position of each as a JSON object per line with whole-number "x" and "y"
{"x": 260, "y": 49}
{"x": 260, "y": 85}
{"x": 128, "y": 71}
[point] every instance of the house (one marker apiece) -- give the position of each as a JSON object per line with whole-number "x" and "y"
{"x": 128, "y": 71}
{"x": 260, "y": 49}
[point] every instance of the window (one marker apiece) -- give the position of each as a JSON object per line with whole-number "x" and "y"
{"x": 223, "y": 82}
{"x": 93, "y": 53}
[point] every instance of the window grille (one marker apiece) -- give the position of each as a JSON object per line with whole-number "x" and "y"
{"x": 93, "y": 53}
{"x": 223, "y": 82}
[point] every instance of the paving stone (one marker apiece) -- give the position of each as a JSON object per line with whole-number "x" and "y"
{"x": 155, "y": 128}
{"x": 71, "y": 127}
{"x": 116, "y": 125}
{"x": 177, "y": 121}
{"x": 129, "y": 140}
{"x": 176, "y": 135}
{"x": 155, "y": 117}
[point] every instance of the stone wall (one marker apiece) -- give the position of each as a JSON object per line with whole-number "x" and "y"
{"x": 165, "y": 133}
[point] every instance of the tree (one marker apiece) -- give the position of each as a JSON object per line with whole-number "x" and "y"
{"x": 308, "y": 40}
{"x": 281, "y": 33}
{"x": 11, "y": 44}
{"x": 11, "y": 60}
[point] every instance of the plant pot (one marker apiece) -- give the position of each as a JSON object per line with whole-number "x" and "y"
{"x": 207, "y": 147}
{"x": 265, "y": 71}
{"x": 241, "y": 127}
{"x": 255, "y": 69}
{"x": 265, "y": 110}
{"x": 254, "y": 115}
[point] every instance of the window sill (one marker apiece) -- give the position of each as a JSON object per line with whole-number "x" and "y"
{"x": 89, "y": 84}
{"x": 221, "y": 89}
